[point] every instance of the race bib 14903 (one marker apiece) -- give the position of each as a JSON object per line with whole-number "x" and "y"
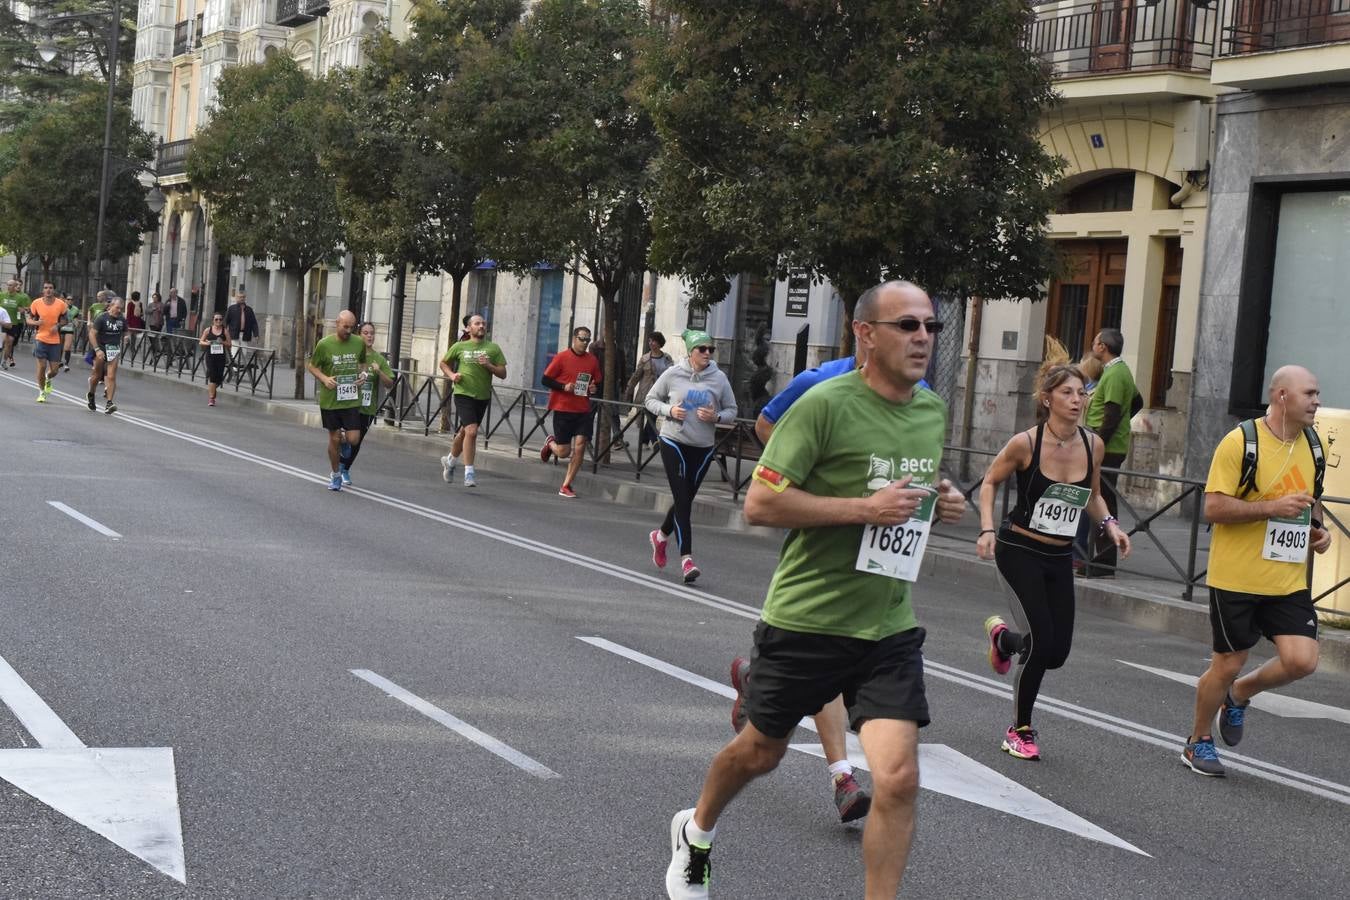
{"x": 1286, "y": 540}
{"x": 897, "y": 550}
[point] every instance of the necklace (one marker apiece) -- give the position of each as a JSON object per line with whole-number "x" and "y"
{"x": 1062, "y": 442}
{"x": 1279, "y": 435}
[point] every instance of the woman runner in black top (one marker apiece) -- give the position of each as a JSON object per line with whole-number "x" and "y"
{"x": 216, "y": 339}
{"x": 1057, "y": 466}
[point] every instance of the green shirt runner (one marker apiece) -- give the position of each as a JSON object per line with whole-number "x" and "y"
{"x": 1115, "y": 386}
{"x": 370, "y": 391}
{"x": 12, "y": 304}
{"x": 343, "y": 361}
{"x": 842, "y": 439}
{"x": 465, "y": 357}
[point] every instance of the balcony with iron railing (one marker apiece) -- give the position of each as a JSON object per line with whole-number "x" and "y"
{"x": 1165, "y": 46}
{"x": 182, "y": 37}
{"x": 1283, "y": 43}
{"x": 172, "y": 158}
{"x": 294, "y": 13}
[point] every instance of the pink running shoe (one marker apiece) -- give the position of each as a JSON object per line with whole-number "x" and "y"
{"x": 691, "y": 571}
{"x": 1021, "y": 742}
{"x": 998, "y": 660}
{"x": 658, "y": 541}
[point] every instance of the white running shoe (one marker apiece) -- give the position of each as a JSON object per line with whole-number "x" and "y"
{"x": 689, "y": 872}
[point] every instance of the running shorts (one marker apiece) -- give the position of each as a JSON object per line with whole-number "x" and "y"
{"x": 348, "y": 419}
{"x": 568, "y": 425}
{"x": 49, "y": 352}
{"x": 471, "y": 410}
{"x": 1238, "y": 621}
{"x": 794, "y": 674}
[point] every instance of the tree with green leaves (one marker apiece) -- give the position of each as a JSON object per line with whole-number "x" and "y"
{"x": 49, "y": 195}
{"x": 550, "y": 123}
{"x": 79, "y": 29}
{"x": 858, "y": 139}
{"x": 257, "y": 164}
{"x": 406, "y": 195}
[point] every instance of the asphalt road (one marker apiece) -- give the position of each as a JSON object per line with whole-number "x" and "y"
{"x": 257, "y": 624}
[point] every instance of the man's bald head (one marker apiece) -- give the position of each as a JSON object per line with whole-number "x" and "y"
{"x": 346, "y": 321}
{"x": 869, "y": 304}
{"x": 1294, "y": 396}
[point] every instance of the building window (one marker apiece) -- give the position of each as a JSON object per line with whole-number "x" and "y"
{"x": 1090, "y": 297}
{"x": 1293, "y": 289}
{"x": 1165, "y": 341}
{"x": 482, "y": 295}
{"x": 698, "y": 318}
{"x": 1114, "y": 193}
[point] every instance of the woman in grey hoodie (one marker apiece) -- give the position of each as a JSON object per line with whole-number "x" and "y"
{"x": 694, "y": 396}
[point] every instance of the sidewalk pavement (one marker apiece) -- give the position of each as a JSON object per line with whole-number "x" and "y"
{"x": 1141, "y": 593}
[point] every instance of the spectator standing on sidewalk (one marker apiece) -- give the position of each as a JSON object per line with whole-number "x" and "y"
{"x": 1114, "y": 402}
{"x": 175, "y": 311}
{"x": 572, "y": 377}
{"x": 649, "y": 368}
{"x": 154, "y": 313}
{"x": 694, "y": 396}
{"x": 471, "y": 365}
{"x": 241, "y": 321}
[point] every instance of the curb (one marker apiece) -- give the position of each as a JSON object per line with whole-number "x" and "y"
{"x": 1123, "y": 601}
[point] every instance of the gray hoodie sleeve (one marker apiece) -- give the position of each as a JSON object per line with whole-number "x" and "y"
{"x": 658, "y": 397}
{"x": 726, "y": 405}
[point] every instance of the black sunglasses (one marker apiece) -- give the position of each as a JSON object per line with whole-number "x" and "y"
{"x": 708, "y": 350}
{"x": 932, "y": 326}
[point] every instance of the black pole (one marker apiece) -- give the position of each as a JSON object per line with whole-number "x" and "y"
{"x": 396, "y": 313}
{"x": 115, "y": 32}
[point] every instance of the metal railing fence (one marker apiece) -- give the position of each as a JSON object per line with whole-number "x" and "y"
{"x": 182, "y": 355}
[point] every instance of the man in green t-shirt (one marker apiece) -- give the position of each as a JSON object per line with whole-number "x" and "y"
{"x": 1114, "y": 402}
{"x": 853, "y": 470}
{"x": 13, "y": 300}
{"x": 377, "y": 372}
{"x": 471, "y": 364}
{"x": 338, "y": 364}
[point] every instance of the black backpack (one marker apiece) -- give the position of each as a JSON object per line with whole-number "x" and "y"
{"x": 1247, "y": 480}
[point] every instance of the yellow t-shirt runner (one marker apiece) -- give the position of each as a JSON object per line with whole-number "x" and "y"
{"x": 1236, "y": 552}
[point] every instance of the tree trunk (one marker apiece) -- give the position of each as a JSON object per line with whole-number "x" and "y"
{"x": 299, "y": 356}
{"x": 456, "y": 292}
{"x": 609, "y": 388}
{"x": 846, "y": 332}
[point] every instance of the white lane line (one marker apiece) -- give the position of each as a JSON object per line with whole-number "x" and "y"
{"x": 435, "y": 713}
{"x": 1311, "y": 784}
{"x": 1101, "y": 720}
{"x": 83, "y": 519}
{"x": 42, "y": 723}
{"x": 1266, "y": 701}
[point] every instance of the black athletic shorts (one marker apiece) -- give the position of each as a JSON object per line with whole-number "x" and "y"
{"x": 367, "y": 420}
{"x": 471, "y": 410}
{"x": 567, "y": 425}
{"x": 1240, "y": 620}
{"x": 793, "y": 675}
{"x": 215, "y": 370}
{"x": 348, "y": 419}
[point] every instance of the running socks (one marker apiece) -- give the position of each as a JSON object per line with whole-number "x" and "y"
{"x": 843, "y": 767}
{"x": 697, "y": 836}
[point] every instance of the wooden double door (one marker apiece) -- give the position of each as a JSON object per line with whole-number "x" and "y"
{"x": 1090, "y": 296}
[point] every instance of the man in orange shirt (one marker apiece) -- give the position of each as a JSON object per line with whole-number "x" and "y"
{"x": 46, "y": 315}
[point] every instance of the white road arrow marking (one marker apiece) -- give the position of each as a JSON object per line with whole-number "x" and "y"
{"x": 941, "y": 768}
{"x": 129, "y": 795}
{"x": 945, "y": 771}
{"x": 1267, "y": 701}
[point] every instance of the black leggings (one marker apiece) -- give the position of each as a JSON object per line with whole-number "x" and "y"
{"x": 685, "y": 468}
{"x": 1041, "y": 577}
